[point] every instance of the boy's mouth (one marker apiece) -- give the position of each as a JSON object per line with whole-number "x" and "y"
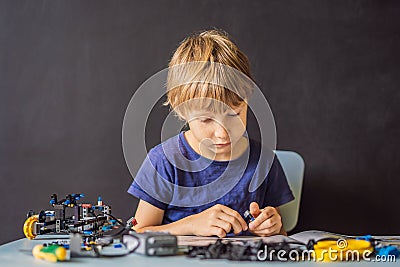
{"x": 222, "y": 145}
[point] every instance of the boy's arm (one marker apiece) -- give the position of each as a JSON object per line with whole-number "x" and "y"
{"x": 217, "y": 220}
{"x": 147, "y": 214}
{"x": 149, "y": 218}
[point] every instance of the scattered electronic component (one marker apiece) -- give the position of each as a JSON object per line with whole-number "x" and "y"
{"x": 248, "y": 217}
{"x": 153, "y": 243}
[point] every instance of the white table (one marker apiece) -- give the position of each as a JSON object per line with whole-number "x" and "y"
{"x": 18, "y": 253}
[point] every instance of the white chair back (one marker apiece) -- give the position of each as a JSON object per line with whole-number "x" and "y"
{"x": 293, "y": 166}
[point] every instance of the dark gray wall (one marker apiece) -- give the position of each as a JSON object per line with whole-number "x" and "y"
{"x": 330, "y": 70}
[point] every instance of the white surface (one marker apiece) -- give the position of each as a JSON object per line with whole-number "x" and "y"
{"x": 18, "y": 253}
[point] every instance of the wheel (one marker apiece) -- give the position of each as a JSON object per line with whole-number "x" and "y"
{"x": 29, "y": 227}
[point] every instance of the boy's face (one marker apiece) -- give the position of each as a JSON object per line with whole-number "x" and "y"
{"x": 217, "y": 134}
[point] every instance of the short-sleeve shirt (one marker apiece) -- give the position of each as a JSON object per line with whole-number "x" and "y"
{"x": 178, "y": 180}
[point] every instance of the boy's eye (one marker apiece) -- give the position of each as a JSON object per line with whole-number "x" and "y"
{"x": 234, "y": 114}
{"x": 205, "y": 120}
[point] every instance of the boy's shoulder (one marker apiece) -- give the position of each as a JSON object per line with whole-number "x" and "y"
{"x": 175, "y": 153}
{"x": 171, "y": 147}
{"x": 169, "y": 144}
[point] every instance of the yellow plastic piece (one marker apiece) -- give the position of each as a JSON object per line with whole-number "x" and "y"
{"x": 342, "y": 250}
{"x": 54, "y": 253}
{"x": 29, "y": 226}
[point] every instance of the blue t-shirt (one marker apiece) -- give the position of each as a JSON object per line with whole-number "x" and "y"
{"x": 175, "y": 178}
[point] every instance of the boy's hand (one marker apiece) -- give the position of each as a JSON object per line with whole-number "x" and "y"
{"x": 267, "y": 220}
{"x": 217, "y": 220}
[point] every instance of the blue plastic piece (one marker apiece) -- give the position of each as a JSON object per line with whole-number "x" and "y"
{"x": 106, "y": 227}
{"x": 77, "y": 196}
{"x": 87, "y": 232}
{"x": 117, "y": 246}
{"x": 388, "y": 250}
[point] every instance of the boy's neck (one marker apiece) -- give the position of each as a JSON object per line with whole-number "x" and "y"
{"x": 237, "y": 150}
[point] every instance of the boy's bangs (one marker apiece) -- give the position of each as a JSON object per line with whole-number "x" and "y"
{"x": 216, "y": 87}
{"x": 206, "y": 97}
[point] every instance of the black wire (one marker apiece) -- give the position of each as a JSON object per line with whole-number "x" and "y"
{"x": 129, "y": 251}
{"x": 138, "y": 243}
{"x": 112, "y": 216}
{"x": 121, "y": 223}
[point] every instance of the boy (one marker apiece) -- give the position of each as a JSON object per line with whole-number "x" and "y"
{"x": 213, "y": 156}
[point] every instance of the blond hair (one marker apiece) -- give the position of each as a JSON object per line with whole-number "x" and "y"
{"x": 208, "y": 66}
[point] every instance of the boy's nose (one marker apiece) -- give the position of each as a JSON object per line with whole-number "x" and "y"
{"x": 220, "y": 131}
